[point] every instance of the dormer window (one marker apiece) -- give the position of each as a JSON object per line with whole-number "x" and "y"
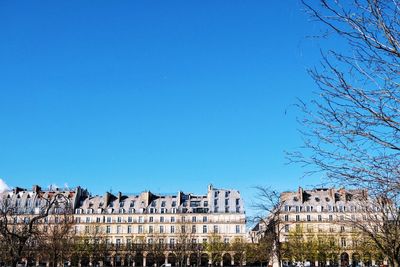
{"x": 163, "y": 204}
{"x": 131, "y": 210}
{"x": 121, "y": 204}
{"x": 153, "y": 204}
{"x": 121, "y": 210}
{"x": 173, "y": 203}
{"x": 132, "y": 204}
{"x": 111, "y": 204}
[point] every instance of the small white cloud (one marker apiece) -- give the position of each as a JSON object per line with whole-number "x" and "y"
{"x": 3, "y": 186}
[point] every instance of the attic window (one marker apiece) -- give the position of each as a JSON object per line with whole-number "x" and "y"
{"x": 317, "y": 199}
{"x": 295, "y": 199}
{"x": 132, "y": 204}
{"x": 327, "y": 199}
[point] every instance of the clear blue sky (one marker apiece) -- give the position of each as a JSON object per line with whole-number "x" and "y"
{"x": 153, "y": 95}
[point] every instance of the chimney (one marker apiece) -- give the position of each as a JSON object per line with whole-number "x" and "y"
{"x": 300, "y": 194}
{"x": 210, "y": 187}
{"x": 119, "y": 196}
{"x": 17, "y": 190}
{"x": 36, "y": 189}
{"x": 107, "y": 199}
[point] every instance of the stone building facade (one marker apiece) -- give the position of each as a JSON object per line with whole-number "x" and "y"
{"x": 144, "y": 219}
{"x": 324, "y": 212}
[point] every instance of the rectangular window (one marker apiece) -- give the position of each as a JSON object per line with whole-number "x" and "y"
{"x": 297, "y": 218}
{"x": 226, "y": 202}
{"x": 194, "y": 219}
{"x": 204, "y": 218}
{"x": 161, "y": 229}
{"x": 215, "y": 228}
{"x": 320, "y": 218}
{"x": 140, "y": 229}
{"x": 343, "y": 242}
{"x": 308, "y": 218}
{"x": 204, "y": 229}
{"x": 286, "y": 228}
{"x": 129, "y": 230}
{"x": 286, "y": 218}
{"x": 118, "y": 229}
{"x": 150, "y": 229}
{"x": 161, "y": 219}
{"x": 108, "y": 229}
{"x": 172, "y": 219}
{"x": 237, "y": 229}
{"x": 172, "y": 229}
{"x": 129, "y": 219}
{"x": 151, "y": 219}
{"x": 193, "y": 228}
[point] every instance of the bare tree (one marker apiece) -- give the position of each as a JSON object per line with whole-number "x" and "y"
{"x": 215, "y": 247}
{"x": 269, "y": 219}
{"x": 183, "y": 246}
{"x": 56, "y": 241}
{"x": 156, "y": 247}
{"x": 376, "y": 223}
{"x": 20, "y": 230}
{"x": 351, "y": 130}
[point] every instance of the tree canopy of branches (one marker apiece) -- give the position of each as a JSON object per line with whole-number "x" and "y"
{"x": 352, "y": 128}
{"x": 18, "y": 232}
